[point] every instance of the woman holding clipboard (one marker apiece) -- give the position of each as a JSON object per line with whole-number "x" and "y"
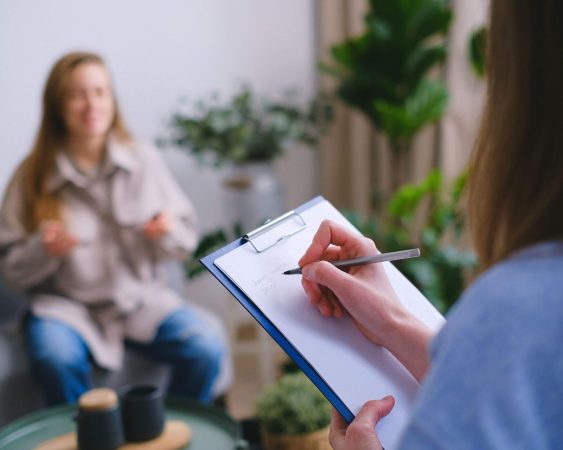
{"x": 492, "y": 377}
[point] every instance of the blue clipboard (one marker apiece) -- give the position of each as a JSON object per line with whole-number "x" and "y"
{"x": 261, "y": 318}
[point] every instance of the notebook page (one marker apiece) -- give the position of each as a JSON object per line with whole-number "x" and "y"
{"x": 353, "y": 367}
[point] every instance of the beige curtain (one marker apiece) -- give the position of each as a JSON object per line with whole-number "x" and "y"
{"x": 355, "y": 160}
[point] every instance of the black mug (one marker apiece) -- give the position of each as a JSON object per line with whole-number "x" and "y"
{"x": 142, "y": 409}
{"x": 99, "y": 421}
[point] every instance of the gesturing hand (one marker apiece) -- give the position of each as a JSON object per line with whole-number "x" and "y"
{"x": 158, "y": 226}
{"x": 56, "y": 240}
{"x": 360, "y": 434}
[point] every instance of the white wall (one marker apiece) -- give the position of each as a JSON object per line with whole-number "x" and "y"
{"x": 159, "y": 52}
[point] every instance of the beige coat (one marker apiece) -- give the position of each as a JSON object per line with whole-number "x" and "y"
{"x": 109, "y": 287}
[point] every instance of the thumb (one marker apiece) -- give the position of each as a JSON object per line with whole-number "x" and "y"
{"x": 374, "y": 410}
{"x": 326, "y": 274}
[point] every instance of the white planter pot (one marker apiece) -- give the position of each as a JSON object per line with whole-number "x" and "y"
{"x": 253, "y": 193}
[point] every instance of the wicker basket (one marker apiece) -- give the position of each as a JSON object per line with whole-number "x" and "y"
{"x": 318, "y": 440}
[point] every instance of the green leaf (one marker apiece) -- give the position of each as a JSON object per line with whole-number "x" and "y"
{"x": 208, "y": 243}
{"x": 432, "y": 18}
{"x": 477, "y": 49}
{"x": 349, "y": 52}
{"x": 380, "y": 29}
{"x": 433, "y": 181}
{"x": 459, "y": 185}
{"x": 421, "y": 60}
{"x": 392, "y": 12}
{"x": 426, "y": 105}
{"x": 403, "y": 204}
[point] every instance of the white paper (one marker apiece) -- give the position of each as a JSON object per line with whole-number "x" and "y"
{"x": 353, "y": 367}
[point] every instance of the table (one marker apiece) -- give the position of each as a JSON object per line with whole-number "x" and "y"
{"x": 211, "y": 427}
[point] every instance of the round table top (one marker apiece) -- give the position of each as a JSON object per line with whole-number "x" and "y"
{"x": 211, "y": 427}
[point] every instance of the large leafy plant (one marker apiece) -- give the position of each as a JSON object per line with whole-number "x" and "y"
{"x": 247, "y": 129}
{"x": 385, "y": 72}
{"x": 427, "y": 215}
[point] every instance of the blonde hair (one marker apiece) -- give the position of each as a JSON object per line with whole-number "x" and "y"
{"x": 39, "y": 203}
{"x": 516, "y": 174}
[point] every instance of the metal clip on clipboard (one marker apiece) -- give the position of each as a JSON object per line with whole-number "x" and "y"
{"x": 253, "y": 235}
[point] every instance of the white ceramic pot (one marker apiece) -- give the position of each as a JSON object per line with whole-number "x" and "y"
{"x": 253, "y": 193}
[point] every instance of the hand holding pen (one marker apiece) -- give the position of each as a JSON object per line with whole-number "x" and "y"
{"x": 344, "y": 264}
{"x": 364, "y": 291}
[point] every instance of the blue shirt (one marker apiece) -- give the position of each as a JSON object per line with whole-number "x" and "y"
{"x": 496, "y": 377}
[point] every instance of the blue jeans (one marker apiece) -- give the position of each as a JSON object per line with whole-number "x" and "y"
{"x": 61, "y": 362}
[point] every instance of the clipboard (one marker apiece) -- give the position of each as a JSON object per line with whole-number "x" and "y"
{"x": 260, "y": 242}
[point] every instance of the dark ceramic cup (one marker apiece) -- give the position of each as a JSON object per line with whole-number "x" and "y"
{"x": 98, "y": 421}
{"x": 142, "y": 409}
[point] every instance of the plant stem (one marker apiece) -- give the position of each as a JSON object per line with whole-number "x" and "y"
{"x": 400, "y": 164}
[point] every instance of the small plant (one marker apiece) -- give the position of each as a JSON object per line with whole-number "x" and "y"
{"x": 248, "y": 130}
{"x": 293, "y": 406}
{"x": 440, "y": 273}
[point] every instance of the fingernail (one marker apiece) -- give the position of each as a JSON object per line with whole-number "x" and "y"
{"x": 306, "y": 272}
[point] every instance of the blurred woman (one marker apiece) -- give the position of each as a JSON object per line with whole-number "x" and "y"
{"x": 86, "y": 221}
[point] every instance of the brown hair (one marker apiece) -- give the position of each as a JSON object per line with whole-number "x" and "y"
{"x": 516, "y": 175}
{"x": 39, "y": 203}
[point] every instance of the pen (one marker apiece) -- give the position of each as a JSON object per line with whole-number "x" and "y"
{"x": 381, "y": 257}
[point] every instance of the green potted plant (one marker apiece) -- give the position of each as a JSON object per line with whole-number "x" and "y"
{"x": 385, "y": 72}
{"x": 247, "y": 133}
{"x": 293, "y": 415}
{"x": 246, "y": 129}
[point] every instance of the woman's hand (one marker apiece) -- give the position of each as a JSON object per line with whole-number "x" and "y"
{"x": 360, "y": 434}
{"x": 56, "y": 240}
{"x": 158, "y": 226}
{"x": 365, "y": 293}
